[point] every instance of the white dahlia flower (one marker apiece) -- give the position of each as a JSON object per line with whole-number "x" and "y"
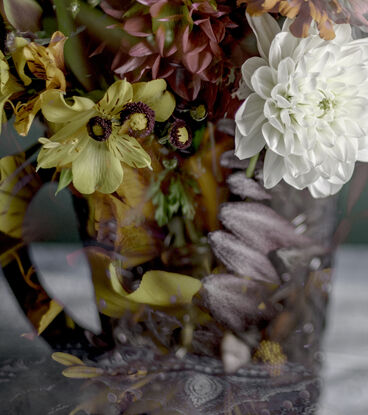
{"x": 307, "y": 103}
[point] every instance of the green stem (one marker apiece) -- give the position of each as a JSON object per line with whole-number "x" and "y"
{"x": 252, "y": 166}
{"x": 103, "y": 28}
{"x": 74, "y": 50}
{"x": 192, "y": 232}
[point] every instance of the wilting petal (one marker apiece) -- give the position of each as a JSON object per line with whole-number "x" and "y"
{"x": 18, "y": 184}
{"x": 20, "y": 60}
{"x": 25, "y": 114}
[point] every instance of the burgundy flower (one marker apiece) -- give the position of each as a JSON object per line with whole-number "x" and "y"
{"x": 146, "y": 55}
{"x": 178, "y": 41}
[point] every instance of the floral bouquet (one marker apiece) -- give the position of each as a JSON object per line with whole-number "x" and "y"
{"x": 167, "y": 174}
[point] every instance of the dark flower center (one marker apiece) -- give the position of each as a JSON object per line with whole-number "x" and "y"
{"x": 180, "y": 135}
{"x": 140, "y": 118}
{"x": 99, "y": 128}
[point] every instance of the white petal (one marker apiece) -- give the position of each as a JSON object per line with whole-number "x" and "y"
{"x": 274, "y": 139}
{"x": 273, "y": 169}
{"x": 249, "y": 67}
{"x": 343, "y": 173}
{"x": 282, "y": 46}
{"x": 285, "y": 70}
{"x": 265, "y": 27}
{"x": 243, "y": 91}
{"x": 250, "y": 114}
{"x": 302, "y": 181}
{"x": 343, "y": 34}
{"x": 323, "y": 188}
{"x": 262, "y": 81}
{"x": 346, "y": 149}
{"x": 249, "y": 145}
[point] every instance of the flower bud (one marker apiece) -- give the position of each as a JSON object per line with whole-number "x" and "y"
{"x": 23, "y": 15}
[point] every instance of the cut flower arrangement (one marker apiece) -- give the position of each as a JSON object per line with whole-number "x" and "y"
{"x": 167, "y": 175}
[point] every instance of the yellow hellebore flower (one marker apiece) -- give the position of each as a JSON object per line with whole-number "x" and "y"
{"x": 45, "y": 63}
{"x": 95, "y": 139}
{"x": 8, "y": 85}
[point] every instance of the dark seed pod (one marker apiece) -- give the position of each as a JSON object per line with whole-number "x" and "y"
{"x": 198, "y": 112}
{"x": 99, "y": 128}
{"x": 141, "y": 119}
{"x": 180, "y": 135}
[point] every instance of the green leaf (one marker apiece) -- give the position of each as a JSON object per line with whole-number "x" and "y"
{"x": 136, "y": 9}
{"x": 66, "y": 177}
{"x": 161, "y": 213}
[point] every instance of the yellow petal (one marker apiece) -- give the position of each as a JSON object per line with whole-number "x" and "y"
{"x": 154, "y": 94}
{"x": 3, "y": 101}
{"x": 56, "y": 110}
{"x": 63, "y": 147}
{"x": 66, "y": 359}
{"x": 157, "y": 288}
{"x": 117, "y": 95}
{"x": 8, "y": 83}
{"x": 48, "y": 317}
{"x": 96, "y": 168}
{"x": 148, "y": 91}
{"x": 44, "y": 62}
{"x": 20, "y": 60}
{"x": 82, "y": 372}
{"x": 128, "y": 150}
{"x": 164, "y": 106}
{"x": 109, "y": 301}
{"x": 8, "y": 86}
{"x": 56, "y": 48}
{"x": 165, "y": 289}
{"x": 24, "y": 115}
